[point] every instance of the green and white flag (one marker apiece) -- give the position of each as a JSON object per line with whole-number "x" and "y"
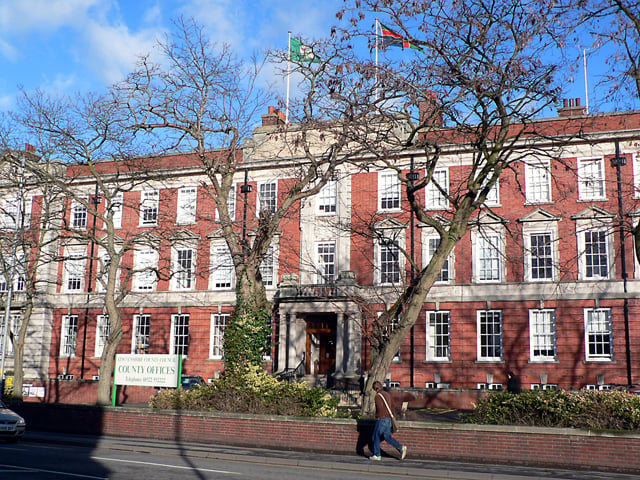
{"x": 302, "y": 53}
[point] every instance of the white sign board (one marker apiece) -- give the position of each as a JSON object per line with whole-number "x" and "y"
{"x": 147, "y": 370}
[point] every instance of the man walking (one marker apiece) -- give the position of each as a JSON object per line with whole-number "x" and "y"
{"x": 382, "y": 428}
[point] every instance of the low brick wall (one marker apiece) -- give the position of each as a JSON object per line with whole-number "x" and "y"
{"x": 449, "y": 441}
{"x": 86, "y": 392}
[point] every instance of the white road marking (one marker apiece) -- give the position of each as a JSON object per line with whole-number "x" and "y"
{"x": 16, "y": 468}
{"x": 164, "y": 465}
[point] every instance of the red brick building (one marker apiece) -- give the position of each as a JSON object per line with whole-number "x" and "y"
{"x": 542, "y": 284}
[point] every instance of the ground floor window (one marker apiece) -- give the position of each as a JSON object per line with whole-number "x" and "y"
{"x": 219, "y": 321}
{"x": 438, "y": 335}
{"x": 542, "y": 335}
{"x": 69, "y": 335}
{"x": 489, "y": 335}
{"x": 598, "y": 334}
{"x": 141, "y": 333}
{"x": 180, "y": 334}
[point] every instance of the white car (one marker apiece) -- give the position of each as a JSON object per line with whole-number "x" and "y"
{"x": 12, "y": 425}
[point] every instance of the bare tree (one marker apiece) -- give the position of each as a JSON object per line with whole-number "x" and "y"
{"x": 201, "y": 98}
{"x": 26, "y": 251}
{"x": 482, "y": 77}
{"x": 90, "y": 156}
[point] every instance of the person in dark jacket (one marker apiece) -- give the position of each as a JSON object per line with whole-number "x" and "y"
{"x": 513, "y": 383}
{"x": 382, "y": 428}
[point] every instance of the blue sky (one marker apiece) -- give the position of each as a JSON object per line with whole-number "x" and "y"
{"x": 69, "y": 46}
{"x": 73, "y": 46}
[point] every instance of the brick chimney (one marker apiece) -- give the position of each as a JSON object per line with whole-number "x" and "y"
{"x": 275, "y": 117}
{"x": 430, "y": 111}
{"x": 571, "y": 108}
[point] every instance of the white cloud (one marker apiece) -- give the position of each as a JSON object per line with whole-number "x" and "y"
{"x": 8, "y": 51}
{"x": 22, "y": 16}
{"x": 61, "y": 83}
{"x": 223, "y": 19}
{"x": 111, "y": 51}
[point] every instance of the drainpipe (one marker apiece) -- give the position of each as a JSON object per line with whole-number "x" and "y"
{"x": 95, "y": 201}
{"x": 412, "y": 177}
{"x": 617, "y": 162}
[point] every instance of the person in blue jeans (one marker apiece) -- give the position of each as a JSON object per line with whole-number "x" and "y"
{"x": 382, "y": 428}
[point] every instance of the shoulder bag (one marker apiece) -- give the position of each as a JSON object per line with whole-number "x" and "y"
{"x": 394, "y": 424}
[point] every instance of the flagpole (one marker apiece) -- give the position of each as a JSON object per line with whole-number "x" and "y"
{"x": 376, "y": 76}
{"x": 586, "y": 80}
{"x": 286, "y": 115}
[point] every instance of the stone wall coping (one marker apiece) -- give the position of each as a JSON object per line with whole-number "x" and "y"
{"x": 417, "y": 425}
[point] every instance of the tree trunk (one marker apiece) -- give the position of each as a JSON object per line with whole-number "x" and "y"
{"x": 18, "y": 352}
{"x": 105, "y": 371}
{"x": 409, "y": 304}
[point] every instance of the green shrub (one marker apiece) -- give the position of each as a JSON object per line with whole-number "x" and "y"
{"x": 250, "y": 390}
{"x": 608, "y": 410}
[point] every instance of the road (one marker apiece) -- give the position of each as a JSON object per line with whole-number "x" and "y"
{"x": 45, "y": 456}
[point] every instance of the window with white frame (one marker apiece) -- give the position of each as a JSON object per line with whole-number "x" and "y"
{"x": 395, "y": 322}
{"x": 267, "y": 268}
{"x": 388, "y": 191}
{"x": 437, "y": 190}
{"x": 267, "y": 197}
{"x": 389, "y": 329}
{"x": 326, "y": 262}
{"x": 141, "y": 334}
{"x": 542, "y": 335}
{"x": 78, "y": 215}
{"x": 538, "y": 181}
{"x": 183, "y": 268}
{"x": 19, "y": 275}
{"x": 598, "y": 334}
{"x": 591, "y": 179}
{"x": 489, "y": 261}
{"x": 540, "y": 256}
{"x": 74, "y": 270}
{"x": 636, "y": 175}
{"x": 231, "y": 204}
{"x": 16, "y": 212}
{"x": 431, "y": 244}
{"x": 180, "y": 334}
{"x": 221, "y": 268}
{"x": 149, "y": 204}
{"x": 10, "y": 213}
{"x": 102, "y": 275}
{"x": 219, "y": 322}
{"x": 15, "y": 319}
{"x": 493, "y": 196}
{"x": 389, "y": 262}
{"x": 68, "y": 336}
{"x": 595, "y": 254}
{"x": 187, "y": 203}
{"x": 26, "y": 212}
{"x": 489, "y": 331}
{"x": 117, "y": 204}
{"x": 103, "y": 330}
{"x": 145, "y": 266}
{"x": 327, "y": 199}
{"x": 438, "y": 335}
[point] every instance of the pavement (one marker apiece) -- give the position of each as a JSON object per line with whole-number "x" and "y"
{"x": 417, "y": 468}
